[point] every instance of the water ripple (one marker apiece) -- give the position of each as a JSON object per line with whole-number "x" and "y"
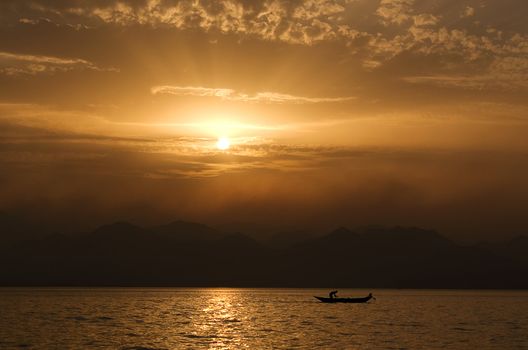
{"x": 154, "y": 319}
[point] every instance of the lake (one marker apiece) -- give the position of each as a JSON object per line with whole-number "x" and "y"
{"x": 212, "y": 318}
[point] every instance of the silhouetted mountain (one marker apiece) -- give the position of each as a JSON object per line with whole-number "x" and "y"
{"x": 399, "y": 258}
{"x": 270, "y": 235}
{"x": 188, "y": 231}
{"x": 285, "y": 239}
{"x": 257, "y": 231}
{"x": 14, "y": 229}
{"x": 190, "y": 254}
{"x": 119, "y": 229}
{"x": 515, "y": 249}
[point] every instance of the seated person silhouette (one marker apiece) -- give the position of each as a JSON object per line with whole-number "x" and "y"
{"x": 333, "y": 294}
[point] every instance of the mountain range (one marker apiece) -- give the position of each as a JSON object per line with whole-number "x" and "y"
{"x": 192, "y": 254}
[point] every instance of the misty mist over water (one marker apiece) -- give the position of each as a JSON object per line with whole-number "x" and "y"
{"x": 176, "y": 318}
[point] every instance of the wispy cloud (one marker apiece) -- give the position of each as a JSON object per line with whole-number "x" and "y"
{"x": 468, "y": 82}
{"x": 19, "y": 64}
{"x": 505, "y": 73}
{"x": 232, "y": 95}
{"x": 468, "y": 12}
{"x": 425, "y": 19}
{"x": 395, "y": 11}
{"x": 192, "y": 91}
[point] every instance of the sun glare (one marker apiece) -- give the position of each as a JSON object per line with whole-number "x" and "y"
{"x": 223, "y": 143}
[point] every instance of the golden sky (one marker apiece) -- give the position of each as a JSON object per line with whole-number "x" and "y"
{"x": 337, "y": 112}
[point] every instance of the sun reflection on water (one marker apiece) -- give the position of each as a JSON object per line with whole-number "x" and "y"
{"x": 224, "y": 318}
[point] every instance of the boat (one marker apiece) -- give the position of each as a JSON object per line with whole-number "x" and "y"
{"x": 345, "y": 300}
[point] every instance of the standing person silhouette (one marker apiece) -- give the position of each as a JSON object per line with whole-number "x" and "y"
{"x": 333, "y": 294}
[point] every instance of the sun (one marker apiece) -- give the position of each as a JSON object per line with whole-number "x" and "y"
{"x": 223, "y": 143}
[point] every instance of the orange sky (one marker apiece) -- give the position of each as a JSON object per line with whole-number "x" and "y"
{"x": 338, "y": 112}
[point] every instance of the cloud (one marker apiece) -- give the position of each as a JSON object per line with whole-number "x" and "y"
{"x": 425, "y": 19}
{"x": 192, "y": 91}
{"x": 232, "y": 95}
{"x": 354, "y": 23}
{"x": 44, "y": 59}
{"x": 311, "y": 9}
{"x": 297, "y": 22}
{"x": 25, "y": 143}
{"x": 468, "y": 12}
{"x": 395, "y": 11}
{"x": 509, "y": 72}
{"x": 457, "y": 81}
{"x": 473, "y": 82}
{"x": 53, "y": 120}
{"x": 28, "y": 21}
{"x": 21, "y": 64}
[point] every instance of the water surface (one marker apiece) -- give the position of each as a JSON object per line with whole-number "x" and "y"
{"x": 260, "y": 318}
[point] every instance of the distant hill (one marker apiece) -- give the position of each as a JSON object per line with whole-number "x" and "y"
{"x": 13, "y": 228}
{"x": 188, "y": 231}
{"x": 515, "y": 249}
{"x": 399, "y": 258}
{"x": 285, "y": 239}
{"x": 192, "y": 254}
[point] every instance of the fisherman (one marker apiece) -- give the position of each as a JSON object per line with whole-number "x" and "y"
{"x": 333, "y": 294}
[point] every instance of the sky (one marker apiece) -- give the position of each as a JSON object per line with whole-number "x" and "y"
{"x": 337, "y": 113}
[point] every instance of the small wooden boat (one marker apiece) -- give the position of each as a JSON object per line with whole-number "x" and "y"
{"x": 345, "y": 300}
